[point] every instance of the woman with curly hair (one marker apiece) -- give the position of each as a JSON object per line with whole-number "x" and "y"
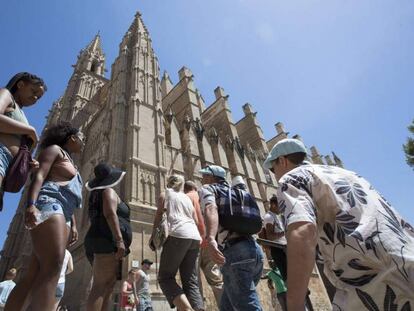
{"x": 23, "y": 90}
{"x": 55, "y": 191}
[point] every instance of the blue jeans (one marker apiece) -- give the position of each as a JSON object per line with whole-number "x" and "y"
{"x": 144, "y": 304}
{"x": 241, "y": 273}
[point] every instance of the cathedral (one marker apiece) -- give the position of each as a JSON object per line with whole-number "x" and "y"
{"x": 140, "y": 121}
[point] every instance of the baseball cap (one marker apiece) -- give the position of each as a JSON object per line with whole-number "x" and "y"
{"x": 147, "y": 261}
{"x": 238, "y": 180}
{"x": 215, "y": 170}
{"x": 284, "y": 147}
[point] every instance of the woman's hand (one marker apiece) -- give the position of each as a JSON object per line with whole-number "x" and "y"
{"x": 151, "y": 243}
{"x": 31, "y": 133}
{"x": 34, "y": 165}
{"x": 30, "y": 217}
{"x": 120, "y": 245}
{"x": 74, "y": 235}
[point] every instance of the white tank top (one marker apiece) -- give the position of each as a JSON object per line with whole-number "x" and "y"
{"x": 180, "y": 219}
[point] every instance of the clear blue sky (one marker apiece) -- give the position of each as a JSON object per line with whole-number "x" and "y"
{"x": 339, "y": 73}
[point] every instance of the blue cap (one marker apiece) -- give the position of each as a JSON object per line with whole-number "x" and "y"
{"x": 214, "y": 170}
{"x": 284, "y": 147}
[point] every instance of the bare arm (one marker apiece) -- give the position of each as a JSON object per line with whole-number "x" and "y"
{"x": 125, "y": 289}
{"x": 160, "y": 211}
{"x": 200, "y": 224}
{"x": 74, "y": 235}
{"x": 271, "y": 234}
{"x": 301, "y": 241}
{"x": 46, "y": 159}
{"x": 69, "y": 269}
{"x": 211, "y": 221}
{"x": 8, "y": 125}
{"x": 137, "y": 278}
{"x": 110, "y": 204}
{"x": 211, "y": 229}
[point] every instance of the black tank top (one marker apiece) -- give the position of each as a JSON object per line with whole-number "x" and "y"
{"x": 99, "y": 226}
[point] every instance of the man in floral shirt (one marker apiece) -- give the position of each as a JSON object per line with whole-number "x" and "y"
{"x": 366, "y": 247}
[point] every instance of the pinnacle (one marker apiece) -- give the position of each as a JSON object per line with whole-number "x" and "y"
{"x": 138, "y": 23}
{"x": 95, "y": 44}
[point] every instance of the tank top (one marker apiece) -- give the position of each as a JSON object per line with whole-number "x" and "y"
{"x": 99, "y": 226}
{"x": 17, "y": 114}
{"x": 124, "y": 297}
{"x": 143, "y": 284}
{"x": 68, "y": 195}
{"x": 180, "y": 219}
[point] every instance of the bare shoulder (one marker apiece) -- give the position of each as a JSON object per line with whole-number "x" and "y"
{"x": 51, "y": 151}
{"x": 110, "y": 193}
{"x": 6, "y": 99}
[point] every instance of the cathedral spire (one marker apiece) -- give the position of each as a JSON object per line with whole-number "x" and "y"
{"x": 92, "y": 58}
{"x": 95, "y": 45}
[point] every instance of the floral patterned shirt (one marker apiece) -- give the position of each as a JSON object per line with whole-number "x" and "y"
{"x": 366, "y": 247}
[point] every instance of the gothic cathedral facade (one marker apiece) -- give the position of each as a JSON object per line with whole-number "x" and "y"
{"x": 141, "y": 122}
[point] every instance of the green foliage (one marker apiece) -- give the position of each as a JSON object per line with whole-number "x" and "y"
{"x": 409, "y": 147}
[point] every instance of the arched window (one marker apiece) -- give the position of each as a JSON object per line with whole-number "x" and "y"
{"x": 94, "y": 67}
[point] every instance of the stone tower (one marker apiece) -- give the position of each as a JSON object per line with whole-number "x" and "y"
{"x": 86, "y": 80}
{"x": 150, "y": 127}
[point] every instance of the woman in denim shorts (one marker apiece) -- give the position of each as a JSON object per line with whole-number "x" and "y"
{"x": 23, "y": 90}
{"x": 55, "y": 191}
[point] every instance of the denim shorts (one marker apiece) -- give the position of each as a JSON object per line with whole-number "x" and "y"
{"x": 49, "y": 207}
{"x": 60, "y": 290}
{"x": 5, "y": 159}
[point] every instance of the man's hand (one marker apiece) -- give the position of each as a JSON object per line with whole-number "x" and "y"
{"x": 215, "y": 253}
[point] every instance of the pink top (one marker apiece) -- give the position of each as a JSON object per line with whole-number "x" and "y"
{"x": 124, "y": 297}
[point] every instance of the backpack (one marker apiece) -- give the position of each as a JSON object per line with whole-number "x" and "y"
{"x": 238, "y": 210}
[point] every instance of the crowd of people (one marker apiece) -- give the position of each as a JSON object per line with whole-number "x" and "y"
{"x": 320, "y": 213}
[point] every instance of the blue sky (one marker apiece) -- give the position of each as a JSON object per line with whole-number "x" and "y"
{"x": 339, "y": 73}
